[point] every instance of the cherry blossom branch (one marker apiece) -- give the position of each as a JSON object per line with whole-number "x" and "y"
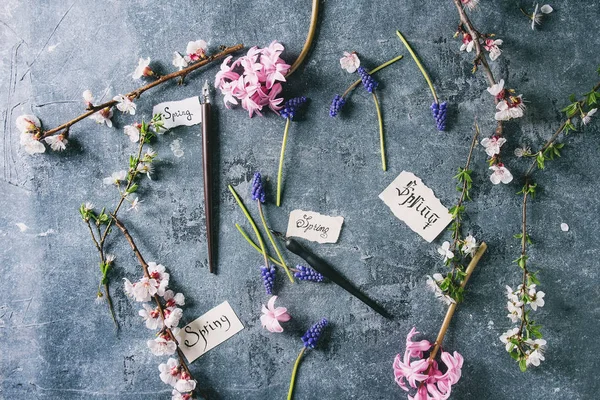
{"x": 138, "y": 92}
{"x": 452, "y": 308}
{"x": 309, "y": 38}
{"x": 159, "y": 305}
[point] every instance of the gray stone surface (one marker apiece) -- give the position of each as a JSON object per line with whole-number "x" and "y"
{"x": 57, "y": 344}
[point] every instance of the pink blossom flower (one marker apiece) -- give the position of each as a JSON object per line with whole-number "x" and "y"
{"x": 467, "y": 43}
{"x": 30, "y": 144}
{"x": 151, "y": 317}
{"x": 158, "y": 272}
{"x": 350, "y": 62}
{"x": 491, "y": 45}
{"x": 196, "y": 50}
{"x": 103, "y": 116}
{"x": 492, "y": 145}
{"x": 497, "y": 90}
{"x": 173, "y": 299}
{"x": 162, "y": 346}
{"x": 28, "y": 124}
{"x": 273, "y": 315}
{"x": 186, "y": 383}
{"x": 500, "y": 174}
{"x": 170, "y": 372}
{"x": 57, "y": 142}
{"x": 125, "y": 104}
{"x": 133, "y": 132}
{"x": 176, "y": 395}
{"x": 143, "y": 68}
{"x": 172, "y": 316}
{"x": 179, "y": 61}
{"x": 511, "y": 108}
{"x": 88, "y": 98}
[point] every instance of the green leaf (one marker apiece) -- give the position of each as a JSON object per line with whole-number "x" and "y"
{"x": 540, "y": 160}
{"x": 523, "y": 364}
{"x": 572, "y": 98}
{"x": 571, "y": 109}
{"x": 133, "y": 188}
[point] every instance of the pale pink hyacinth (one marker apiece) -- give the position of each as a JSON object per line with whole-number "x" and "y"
{"x": 350, "y": 62}
{"x": 103, "y": 116}
{"x": 500, "y": 174}
{"x": 253, "y": 80}
{"x": 414, "y": 369}
{"x": 492, "y": 145}
{"x": 272, "y": 316}
{"x": 143, "y": 69}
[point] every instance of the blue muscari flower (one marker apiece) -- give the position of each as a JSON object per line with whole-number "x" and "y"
{"x": 368, "y": 82}
{"x": 311, "y": 337}
{"x": 336, "y": 105}
{"x": 439, "y": 114}
{"x": 308, "y": 274}
{"x": 291, "y": 107}
{"x": 268, "y": 277}
{"x": 258, "y": 190}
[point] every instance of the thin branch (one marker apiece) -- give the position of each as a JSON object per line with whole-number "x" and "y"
{"x": 137, "y": 92}
{"x": 309, "y": 38}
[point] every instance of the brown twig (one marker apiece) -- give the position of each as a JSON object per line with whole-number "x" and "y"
{"x": 137, "y": 92}
{"x": 479, "y": 54}
{"x": 309, "y": 38}
{"x": 160, "y": 307}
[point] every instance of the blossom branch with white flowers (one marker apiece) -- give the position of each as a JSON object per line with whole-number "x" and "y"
{"x": 508, "y": 105}
{"x": 165, "y": 317}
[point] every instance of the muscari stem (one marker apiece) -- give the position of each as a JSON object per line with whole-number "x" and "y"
{"x": 239, "y": 228}
{"x": 381, "y": 139}
{"x": 280, "y": 169}
{"x": 309, "y": 38}
{"x": 371, "y": 72}
{"x": 294, "y": 372}
{"x": 438, "y": 342}
{"x": 423, "y": 71}
{"x": 252, "y": 223}
{"x": 266, "y": 227}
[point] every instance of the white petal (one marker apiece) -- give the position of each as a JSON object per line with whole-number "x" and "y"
{"x": 564, "y": 227}
{"x": 546, "y": 9}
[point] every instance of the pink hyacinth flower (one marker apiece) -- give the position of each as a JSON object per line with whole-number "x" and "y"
{"x": 272, "y": 316}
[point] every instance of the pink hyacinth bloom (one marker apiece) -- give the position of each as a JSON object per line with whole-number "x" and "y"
{"x": 272, "y": 316}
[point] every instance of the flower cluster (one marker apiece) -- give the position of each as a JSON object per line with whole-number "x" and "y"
{"x": 368, "y": 82}
{"x": 509, "y": 106}
{"x": 292, "y": 106}
{"x": 439, "y": 114}
{"x": 312, "y": 336}
{"x": 424, "y": 374}
{"x": 492, "y": 46}
{"x": 268, "y": 277}
{"x": 164, "y": 317}
{"x": 253, "y": 80}
{"x": 304, "y": 273}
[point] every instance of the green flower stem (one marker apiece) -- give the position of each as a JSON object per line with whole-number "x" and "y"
{"x": 264, "y": 222}
{"x": 252, "y": 223}
{"x": 280, "y": 170}
{"x": 414, "y": 56}
{"x": 239, "y": 228}
{"x": 382, "y": 66}
{"x": 294, "y": 372}
{"x": 381, "y": 139}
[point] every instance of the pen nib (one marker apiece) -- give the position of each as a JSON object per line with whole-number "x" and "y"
{"x": 205, "y": 92}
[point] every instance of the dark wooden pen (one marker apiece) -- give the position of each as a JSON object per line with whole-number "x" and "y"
{"x": 205, "y": 107}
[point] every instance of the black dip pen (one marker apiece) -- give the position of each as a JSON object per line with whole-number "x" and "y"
{"x": 205, "y": 114}
{"x": 328, "y": 272}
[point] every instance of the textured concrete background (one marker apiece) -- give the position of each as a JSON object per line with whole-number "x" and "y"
{"x": 57, "y": 344}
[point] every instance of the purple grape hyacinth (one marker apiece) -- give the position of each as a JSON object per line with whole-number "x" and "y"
{"x": 258, "y": 190}
{"x": 336, "y": 105}
{"x": 308, "y": 274}
{"x": 439, "y": 114}
{"x": 312, "y": 336}
{"x": 291, "y": 107}
{"x": 368, "y": 82}
{"x": 268, "y": 277}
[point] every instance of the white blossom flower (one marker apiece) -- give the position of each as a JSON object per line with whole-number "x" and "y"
{"x": 89, "y": 206}
{"x": 500, "y": 174}
{"x": 116, "y": 178}
{"x": 128, "y": 288}
{"x": 432, "y": 282}
{"x": 57, "y": 142}
{"x": 151, "y": 317}
{"x": 492, "y": 145}
{"x": 162, "y": 346}
{"x": 157, "y": 272}
{"x": 145, "y": 168}
{"x": 536, "y": 18}
{"x": 135, "y": 204}
{"x": 509, "y": 110}
{"x": 179, "y": 61}
{"x": 172, "y": 317}
{"x": 535, "y": 357}
{"x": 536, "y": 298}
{"x": 522, "y": 151}
{"x": 125, "y": 104}
{"x": 492, "y": 46}
{"x": 145, "y": 289}
{"x": 469, "y": 245}
{"x": 514, "y": 312}
{"x": 30, "y": 145}
{"x": 467, "y": 43}
{"x": 173, "y": 299}
{"x": 350, "y": 62}
{"x": 496, "y": 89}
{"x": 88, "y": 98}
{"x": 143, "y": 68}
{"x": 28, "y": 123}
{"x": 99, "y": 298}
{"x": 588, "y": 117}
{"x": 149, "y": 155}
{"x": 110, "y": 258}
{"x": 512, "y": 296}
{"x": 470, "y": 4}
{"x": 103, "y": 116}
{"x": 133, "y": 132}
{"x": 185, "y": 385}
{"x": 196, "y": 50}
{"x": 506, "y": 336}
{"x": 445, "y": 251}
{"x": 170, "y": 372}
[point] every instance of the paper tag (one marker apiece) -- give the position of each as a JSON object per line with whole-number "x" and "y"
{"x": 314, "y": 226}
{"x": 415, "y": 204}
{"x": 184, "y": 112}
{"x": 208, "y": 331}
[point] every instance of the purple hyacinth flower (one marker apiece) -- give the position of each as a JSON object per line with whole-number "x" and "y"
{"x": 312, "y": 336}
{"x": 368, "y": 82}
{"x": 439, "y": 114}
{"x": 268, "y": 277}
{"x": 308, "y": 274}
{"x": 258, "y": 190}
{"x": 291, "y": 107}
{"x": 336, "y": 105}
